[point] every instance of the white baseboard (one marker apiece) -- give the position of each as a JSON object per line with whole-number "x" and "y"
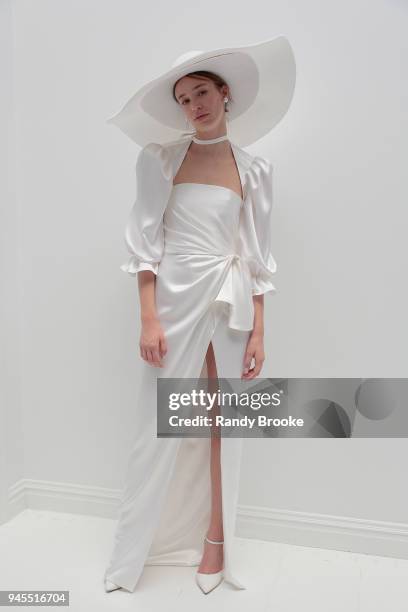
{"x": 383, "y": 538}
{"x": 63, "y": 497}
{"x": 314, "y": 530}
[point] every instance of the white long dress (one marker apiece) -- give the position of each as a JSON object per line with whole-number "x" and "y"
{"x": 211, "y": 252}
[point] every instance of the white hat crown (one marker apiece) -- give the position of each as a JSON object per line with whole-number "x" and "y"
{"x": 184, "y": 57}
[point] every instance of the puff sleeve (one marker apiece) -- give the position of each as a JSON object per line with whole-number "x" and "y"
{"x": 256, "y": 226}
{"x": 144, "y": 230}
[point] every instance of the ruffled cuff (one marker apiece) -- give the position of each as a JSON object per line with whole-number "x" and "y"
{"x": 135, "y": 265}
{"x": 262, "y": 277}
{"x": 262, "y": 285}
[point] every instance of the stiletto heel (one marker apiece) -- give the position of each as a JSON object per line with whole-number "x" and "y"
{"x": 208, "y": 582}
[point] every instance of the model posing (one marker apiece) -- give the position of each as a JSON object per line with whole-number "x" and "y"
{"x": 199, "y": 235}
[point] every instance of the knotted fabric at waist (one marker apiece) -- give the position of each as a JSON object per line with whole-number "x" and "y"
{"x": 235, "y": 287}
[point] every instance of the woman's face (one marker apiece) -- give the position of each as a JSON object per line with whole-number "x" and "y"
{"x": 201, "y": 97}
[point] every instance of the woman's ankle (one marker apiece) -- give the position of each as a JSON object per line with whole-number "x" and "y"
{"x": 216, "y": 536}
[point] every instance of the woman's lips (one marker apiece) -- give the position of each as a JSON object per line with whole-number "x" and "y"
{"x": 202, "y": 116}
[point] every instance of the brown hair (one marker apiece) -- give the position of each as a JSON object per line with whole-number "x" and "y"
{"x": 205, "y": 74}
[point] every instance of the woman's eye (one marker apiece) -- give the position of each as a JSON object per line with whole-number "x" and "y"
{"x": 203, "y": 91}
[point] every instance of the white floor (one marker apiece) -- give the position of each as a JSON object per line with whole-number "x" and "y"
{"x": 42, "y": 550}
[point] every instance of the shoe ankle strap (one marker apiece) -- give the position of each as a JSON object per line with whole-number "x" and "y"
{"x": 213, "y": 541}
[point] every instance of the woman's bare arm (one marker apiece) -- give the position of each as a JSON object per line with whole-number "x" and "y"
{"x": 255, "y": 346}
{"x": 259, "y": 314}
{"x": 147, "y": 290}
{"x": 152, "y": 343}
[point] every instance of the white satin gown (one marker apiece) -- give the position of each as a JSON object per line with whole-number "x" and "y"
{"x": 209, "y": 259}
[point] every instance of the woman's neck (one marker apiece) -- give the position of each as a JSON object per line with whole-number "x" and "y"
{"x": 206, "y": 145}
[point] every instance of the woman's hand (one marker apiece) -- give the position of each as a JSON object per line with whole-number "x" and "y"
{"x": 254, "y": 349}
{"x": 255, "y": 346}
{"x": 153, "y": 346}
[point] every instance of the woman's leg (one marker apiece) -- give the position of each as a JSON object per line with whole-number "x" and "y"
{"x": 212, "y": 560}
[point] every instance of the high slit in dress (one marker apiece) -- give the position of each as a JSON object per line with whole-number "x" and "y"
{"x": 210, "y": 251}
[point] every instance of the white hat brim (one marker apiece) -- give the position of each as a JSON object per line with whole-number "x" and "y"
{"x": 261, "y": 79}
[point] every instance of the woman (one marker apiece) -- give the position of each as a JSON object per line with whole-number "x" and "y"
{"x": 199, "y": 238}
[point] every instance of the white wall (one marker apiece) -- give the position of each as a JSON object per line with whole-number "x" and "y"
{"x": 11, "y": 450}
{"x": 340, "y": 225}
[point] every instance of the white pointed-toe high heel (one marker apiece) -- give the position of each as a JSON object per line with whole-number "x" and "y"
{"x": 111, "y": 586}
{"x": 208, "y": 582}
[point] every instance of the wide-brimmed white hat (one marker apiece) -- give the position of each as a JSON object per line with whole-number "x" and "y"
{"x": 261, "y": 79}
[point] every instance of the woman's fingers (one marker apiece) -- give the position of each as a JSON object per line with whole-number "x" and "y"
{"x": 253, "y": 372}
{"x": 156, "y": 358}
{"x": 258, "y": 367}
{"x": 163, "y": 346}
{"x": 152, "y": 343}
{"x": 152, "y": 355}
{"x": 247, "y": 371}
{"x": 247, "y": 361}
